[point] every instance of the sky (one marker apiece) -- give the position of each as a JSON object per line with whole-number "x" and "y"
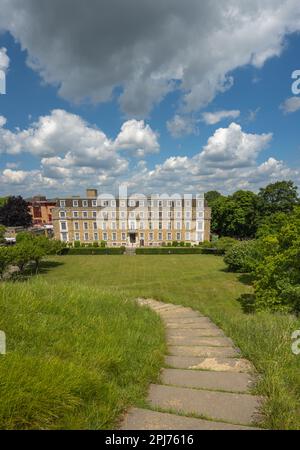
{"x": 166, "y": 96}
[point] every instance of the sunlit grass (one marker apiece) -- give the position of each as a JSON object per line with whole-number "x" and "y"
{"x": 81, "y": 351}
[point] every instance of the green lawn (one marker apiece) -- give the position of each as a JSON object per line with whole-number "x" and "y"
{"x": 199, "y": 281}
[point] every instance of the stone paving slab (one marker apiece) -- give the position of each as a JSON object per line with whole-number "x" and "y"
{"x": 207, "y": 378}
{"x": 216, "y": 364}
{"x": 196, "y": 324}
{"x": 183, "y": 319}
{"x": 224, "y": 381}
{"x": 236, "y": 408}
{"x": 145, "y": 419}
{"x": 200, "y": 332}
{"x": 200, "y": 341}
{"x": 185, "y": 350}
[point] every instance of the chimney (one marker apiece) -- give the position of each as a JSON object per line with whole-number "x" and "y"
{"x": 91, "y": 193}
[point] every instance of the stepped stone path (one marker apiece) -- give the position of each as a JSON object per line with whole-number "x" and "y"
{"x": 206, "y": 385}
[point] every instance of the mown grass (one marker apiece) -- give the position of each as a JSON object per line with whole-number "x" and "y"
{"x": 77, "y": 355}
{"x": 202, "y": 282}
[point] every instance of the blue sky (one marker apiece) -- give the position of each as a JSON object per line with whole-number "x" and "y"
{"x": 71, "y": 119}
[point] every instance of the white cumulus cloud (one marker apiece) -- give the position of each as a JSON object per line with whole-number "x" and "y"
{"x": 291, "y": 105}
{"x": 211, "y": 118}
{"x": 144, "y": 50}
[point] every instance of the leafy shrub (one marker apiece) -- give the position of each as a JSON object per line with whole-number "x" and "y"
{"x": 168, "y": 251}
{"x": 244, "y": 256}
{"x": 77, "y": 244}
{"x": 93, "y": 251}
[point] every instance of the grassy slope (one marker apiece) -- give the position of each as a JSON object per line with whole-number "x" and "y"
{"x": 201, "y": 282}
{"x": 77, "y": 355}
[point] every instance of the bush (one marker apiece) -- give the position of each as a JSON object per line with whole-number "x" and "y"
{"x": 93, "y": 251}
{"x": 218, "y": 247}
{"x": 168, "y": 251}
{"x": 77, "y": 244}
{"x": 244, "y": 256}
{"x": 5, "y": 259}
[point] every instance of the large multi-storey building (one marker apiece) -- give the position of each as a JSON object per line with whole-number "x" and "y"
{"x": 40, "y": 209}
{"x": 137, "y": 220}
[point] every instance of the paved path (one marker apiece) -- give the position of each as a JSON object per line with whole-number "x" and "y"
{"x": 206, "y": 385}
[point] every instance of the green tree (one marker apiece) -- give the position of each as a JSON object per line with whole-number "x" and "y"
{"x": 235, "y": 215}
{"x": 277, "y": 197}
{"x": 211, "y": 196}
{"x": 2, "y": 232}
{"x": 15, "y": 213}
{"x": 5, "y": 259}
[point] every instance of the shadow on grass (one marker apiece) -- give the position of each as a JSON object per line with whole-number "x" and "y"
{"x": 247, "y": 302}
{"x": 246, "y": 278}
{"x": 30, "y": 271}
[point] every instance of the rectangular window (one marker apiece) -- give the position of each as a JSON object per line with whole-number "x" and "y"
{"x": 178, "y": 236}
{"x": 123, "y": 236}
{"x": 200, "y": 237}
{"x": 85, "y": 203}
{"x": 187, "y": 225}
{"x": 200, "y": 226}
{"x": 142, "y": 235}
{"x": 95, "y": 236}
{"x": 169, "y": 225}
{"x": 178, "y": 226}
{"x": 85, "y": 214}
{"x": 113, "y": 226}
{"x": 86, "y": 236}
{"x": 94, "y": 214}
{"x": 123, "y": 225}
{"x": 77, "y": 237}
{"x": 62, "y": 203}
{"x": 62, "y": 214}
{"x": 75, "y": 203}
{"x": 160, "y": 236}
{"x": 64, "y": 237}
{"x": 150, "y": 236}
{"x": 114, "y": 236}
{"x": 160, "y": 226}
{"x": 75, "y": 214}
{"x": 188, "y": 214}
{"x": 150, "y": 226}
{"x": 95, "y": 225}
{"x": 63, "y": 226}
{"x": 76, "y": 225}
{"x": 169, "y": 236}
{"x": 105, "y": 236}
{"x": 94, "y": 202}
{"x": 85, "y": 225}
{"x": 187, "y": 236}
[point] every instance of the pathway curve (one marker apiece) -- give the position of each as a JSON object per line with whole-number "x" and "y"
{"x": 206, "y": 385}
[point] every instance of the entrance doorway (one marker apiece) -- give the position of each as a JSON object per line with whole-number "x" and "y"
{"x": 132, "y": 238}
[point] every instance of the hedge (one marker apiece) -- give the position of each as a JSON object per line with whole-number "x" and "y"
{"x": 93, "y": 251}
{"x": 168, "y": 250}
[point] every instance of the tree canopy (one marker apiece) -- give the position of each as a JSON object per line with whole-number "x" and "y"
{"x": 15, "y": 213}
